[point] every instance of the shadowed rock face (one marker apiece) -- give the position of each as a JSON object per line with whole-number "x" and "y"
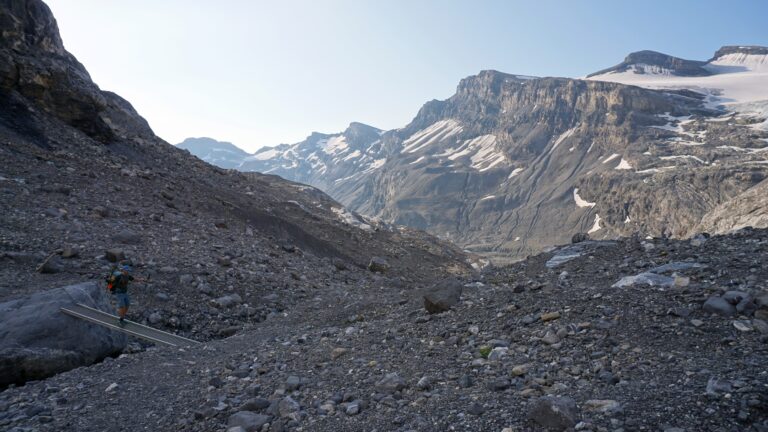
{"x": 38, "y": 340}
{"x": 35, "y": 66}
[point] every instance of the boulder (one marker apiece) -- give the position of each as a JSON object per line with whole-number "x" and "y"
{"x": 50, "y": 265}
{"x": 391, "y": 383}
{"x": 114, "y": 255}
{"x": 719, "y": 305}
{"x": 579, "y": 237}
{"x": 227, "y": 301}
{"x": 378, "y": 265}
{"x": 127, "y": 237}
{"x": 38, "y": 340}
{"x": 554, "y": 413}
{"x": 248, "y": 420}
{"x": 442, "y": 296}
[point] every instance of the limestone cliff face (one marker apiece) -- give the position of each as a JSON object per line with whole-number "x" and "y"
{"x": 511, "y": 165}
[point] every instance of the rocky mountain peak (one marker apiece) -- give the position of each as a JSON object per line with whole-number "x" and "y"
{"x": 35, "y": 69}
{"x": 28, "y": 25}
{"x": 653, "y": 62}
{"x": 360, "y": 132}
{"x": 740, "y": 49}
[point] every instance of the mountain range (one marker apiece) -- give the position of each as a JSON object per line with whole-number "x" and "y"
{"x": 511, "y": 165}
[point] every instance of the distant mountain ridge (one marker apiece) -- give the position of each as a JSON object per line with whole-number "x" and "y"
{"x": 511, "y": 164}
{"x": 221, "y": 153}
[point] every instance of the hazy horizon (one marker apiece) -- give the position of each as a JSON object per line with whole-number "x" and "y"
{"x": 262, "y": 74}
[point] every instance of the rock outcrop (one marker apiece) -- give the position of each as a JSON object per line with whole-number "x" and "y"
{"x": 38, "y": 340}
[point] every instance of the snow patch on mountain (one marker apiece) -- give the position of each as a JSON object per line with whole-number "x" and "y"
{"x": 433, "y": 134}
{"x": 737, "y": 79}
{"x": 596, "y": 226}
{"x": 581, "y": 202}
{"x": 624, "y": 165}
{"x": 563, "y": 137}
{"x": 515, "y": 172}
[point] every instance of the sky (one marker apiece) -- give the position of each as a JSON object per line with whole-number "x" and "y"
{"x": 262, "y": 73}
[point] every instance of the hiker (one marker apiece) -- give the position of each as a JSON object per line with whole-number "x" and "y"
{"x": 117, "y": 283}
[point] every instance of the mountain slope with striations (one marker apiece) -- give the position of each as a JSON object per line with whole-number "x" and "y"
{"x": 510, "y": 164}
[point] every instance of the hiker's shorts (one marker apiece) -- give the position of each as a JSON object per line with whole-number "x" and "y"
{"x": 123, "y": 301}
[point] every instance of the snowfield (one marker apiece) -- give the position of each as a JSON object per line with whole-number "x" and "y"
{"x": 739, "y": 81}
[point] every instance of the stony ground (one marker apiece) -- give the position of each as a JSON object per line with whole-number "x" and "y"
{"x": 368, "y": 357}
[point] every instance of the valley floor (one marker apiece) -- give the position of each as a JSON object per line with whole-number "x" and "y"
{"x": 645, "y": 358}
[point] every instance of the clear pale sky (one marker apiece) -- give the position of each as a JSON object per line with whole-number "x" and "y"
{"x": 268, "y": 72}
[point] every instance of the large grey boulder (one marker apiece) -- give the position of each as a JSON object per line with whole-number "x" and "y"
{"x": 554, "y": 413}
{"x": 442, "y": 296}
{"x": 37, "y": 340}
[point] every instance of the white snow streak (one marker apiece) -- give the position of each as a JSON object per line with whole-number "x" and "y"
{"x": 580, "y": 202}
{"x": 596, "y": 227}
{"x": 433, "y": 134}
{"x": 624, "y": 165}
{"x": 562, "y": 137}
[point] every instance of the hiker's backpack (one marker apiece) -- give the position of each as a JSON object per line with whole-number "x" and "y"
{"x": 112, "y": 279}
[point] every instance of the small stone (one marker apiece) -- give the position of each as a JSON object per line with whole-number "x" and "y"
{"x": 550, "y": 338}
{"x": 743, "y": 326}
{"x": 601, "y": 405}
{"x": 465, "y": 381}
{"x": 155, "y": 318}
{"x": 378, "y": 265}
{"x": 353, "y": 408}
{"x": 292, "y": 383}
{"x": 69, "y": 252}
{"x": 499, "y": 384}
{"x": 287, "y": 406}
{"x": 338, "y": 352}
{"x": 717, "y": 386}
{"x": 424, "y": 383}
{"x": 476, "y": 409}
{"x": 127, "y": 237}
{"x": 255, "y": 404}
{"x": 114, "y": 255}
{"x": 474, "y": 329}
{"x": 50, "y": 265}
{"x": 391, "y": 383}
{"x": 111, "y": 388}
{"x": 498, "y": 353}
{"x": 550, "y": 316}
{"x": 760, "y": 325}
{"x": 697, "y": 322}
{"x": 520, "y": 370}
